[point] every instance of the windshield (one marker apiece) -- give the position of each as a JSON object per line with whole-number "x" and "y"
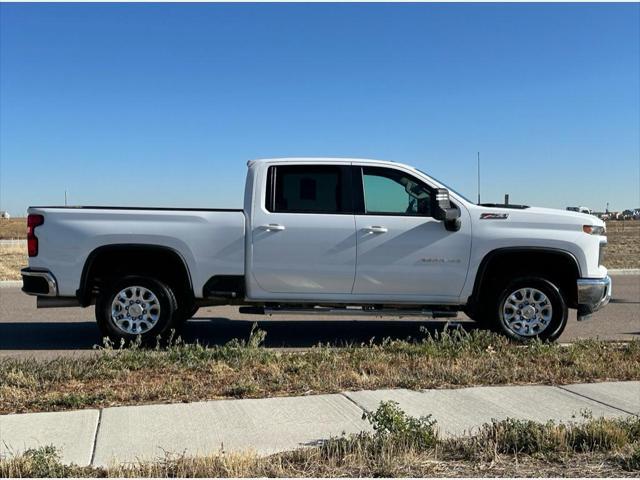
{"x": 445, "y": 186}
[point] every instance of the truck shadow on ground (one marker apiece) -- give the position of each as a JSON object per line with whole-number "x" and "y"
{"x": 307, "y": 333}
{"x": 219, "y": 331}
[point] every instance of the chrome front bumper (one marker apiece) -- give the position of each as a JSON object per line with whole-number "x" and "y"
{"x": 593, "y": 294}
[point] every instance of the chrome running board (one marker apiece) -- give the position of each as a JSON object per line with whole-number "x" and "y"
{"x": 349, "y": 311}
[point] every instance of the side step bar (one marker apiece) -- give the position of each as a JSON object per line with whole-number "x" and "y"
{"x": 56, "y": 302}
{"x": 221, "y": 294}
{"x": 349, "y": 311}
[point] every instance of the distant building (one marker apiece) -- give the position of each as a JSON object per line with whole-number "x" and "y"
{"x": 4, "y": 214}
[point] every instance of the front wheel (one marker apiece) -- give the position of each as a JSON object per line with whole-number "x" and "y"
{"x": 135, "y": 306}
{"x": 528, "y": 308}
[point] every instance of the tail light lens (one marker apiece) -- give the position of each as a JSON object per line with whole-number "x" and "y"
{"x": 32, "y": 241}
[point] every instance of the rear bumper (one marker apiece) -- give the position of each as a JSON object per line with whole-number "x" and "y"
{"x": 39, "y": 282}
{"x": 593, "y": 294}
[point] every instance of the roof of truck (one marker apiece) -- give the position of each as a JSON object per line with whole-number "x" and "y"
{"x": 319, "y": 160}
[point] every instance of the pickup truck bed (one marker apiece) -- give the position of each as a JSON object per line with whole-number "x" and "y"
{"x": 207, "y": 240}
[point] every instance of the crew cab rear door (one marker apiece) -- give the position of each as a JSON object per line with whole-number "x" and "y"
{"x": 403, "y": 252}
{"x": 303, "y": 236}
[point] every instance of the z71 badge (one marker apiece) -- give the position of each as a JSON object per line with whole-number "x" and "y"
{"x": 494, "y": 216}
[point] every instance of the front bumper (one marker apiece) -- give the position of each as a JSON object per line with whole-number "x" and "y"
{"x": 593, "y": 294}
{"x": 39, "y": 282}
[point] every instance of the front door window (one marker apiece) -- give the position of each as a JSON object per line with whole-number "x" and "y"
{"x": 392, "y": 192}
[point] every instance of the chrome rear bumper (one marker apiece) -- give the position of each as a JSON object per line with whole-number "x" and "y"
{"x": 593, "y": 294}
{"x": 39, "y": 282}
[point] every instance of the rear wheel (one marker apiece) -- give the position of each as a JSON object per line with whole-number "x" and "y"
{"x": 527, "y": 308}
{"x": 136, "y": 306}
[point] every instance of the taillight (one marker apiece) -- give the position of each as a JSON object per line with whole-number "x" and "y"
{"x": 32, "y": 241}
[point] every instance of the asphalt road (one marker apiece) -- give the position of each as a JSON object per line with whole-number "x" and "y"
{"x": 26, "y": 331}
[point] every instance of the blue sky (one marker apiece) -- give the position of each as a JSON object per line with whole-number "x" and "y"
{"x": 163, "y": 104}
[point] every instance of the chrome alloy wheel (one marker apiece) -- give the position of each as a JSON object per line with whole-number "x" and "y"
{"x": 527, "y": 312}
{"x": 135, "y": 310}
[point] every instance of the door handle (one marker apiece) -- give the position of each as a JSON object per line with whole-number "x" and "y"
{"x": 273, "y": 227}
{"x": 376, "y": 229}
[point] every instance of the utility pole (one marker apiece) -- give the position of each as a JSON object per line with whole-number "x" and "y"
{"x": 478, "y": 178}
{"x": 65, "y": 198}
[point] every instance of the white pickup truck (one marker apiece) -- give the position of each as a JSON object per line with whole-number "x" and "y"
{"x": 353, "y": 236}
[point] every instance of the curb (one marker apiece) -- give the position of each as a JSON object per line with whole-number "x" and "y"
{"x": 624, "y": 271}
{"x": 10, "y": 283}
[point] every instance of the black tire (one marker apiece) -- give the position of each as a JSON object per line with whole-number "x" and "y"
{"x": 480, "y": 317}
{"x": 552, "y": 311}
{"x": 187, "y": 313}
{"x": 165, "y": 300}
{"x": 183, "y": 315}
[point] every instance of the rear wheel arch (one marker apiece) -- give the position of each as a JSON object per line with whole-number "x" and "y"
{"x": 110, "y": 261}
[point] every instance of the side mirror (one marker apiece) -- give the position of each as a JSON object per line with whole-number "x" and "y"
{"x": 444, "y": 211}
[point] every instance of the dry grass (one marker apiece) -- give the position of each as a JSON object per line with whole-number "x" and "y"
{"x": 311, "y": 464}
{"x": 623, "y": 250}
{"x": 13, "y": 228}
{"x": 400, "y": 446}
{"x": 183, "y": 373}
{"x": 12, "y": 259}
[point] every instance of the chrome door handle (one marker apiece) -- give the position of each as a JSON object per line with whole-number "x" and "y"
{"x": 376, "y": 229}
{"x": 273, "y": 227}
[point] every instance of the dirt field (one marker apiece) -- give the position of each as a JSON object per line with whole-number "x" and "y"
{"x": 623, "y": 250}
{"x": 13, "y": 228}
{"x": 12, "y": 259}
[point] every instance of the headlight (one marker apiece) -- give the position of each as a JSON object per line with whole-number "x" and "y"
{"x": 594, "y": 229}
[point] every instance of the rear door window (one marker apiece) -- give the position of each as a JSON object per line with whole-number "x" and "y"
{"x": 309, "y": 189}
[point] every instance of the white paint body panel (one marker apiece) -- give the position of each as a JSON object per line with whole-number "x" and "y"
{"x": 535, "y": 227}
{"x": 206, "y": 241}
{"x": 415, "y": 258}
{"x": 308, "y": 257}
{"x": 317, "y": 257}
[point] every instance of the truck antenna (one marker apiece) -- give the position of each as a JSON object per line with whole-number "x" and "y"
{"x": 478, "y": 178}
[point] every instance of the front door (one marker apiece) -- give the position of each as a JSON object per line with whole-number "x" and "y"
{"x": 402, "y": 249}
{"x": 304, "y": 236}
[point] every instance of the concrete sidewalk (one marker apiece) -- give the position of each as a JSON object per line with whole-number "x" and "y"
{"x": 148, "y": 432}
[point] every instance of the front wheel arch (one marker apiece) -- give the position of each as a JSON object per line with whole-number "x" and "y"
{"x": 503, "y": 264}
